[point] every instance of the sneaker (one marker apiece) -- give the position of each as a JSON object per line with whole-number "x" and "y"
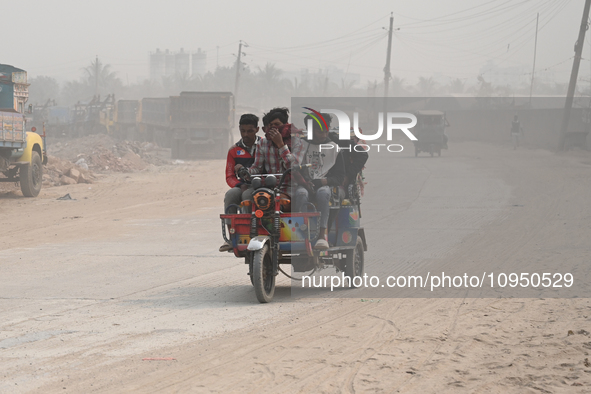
{"x": 226, "y": 247}
{"x": 321, "y": 244}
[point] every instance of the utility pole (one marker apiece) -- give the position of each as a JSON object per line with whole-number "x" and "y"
{"x": 238, "y": 65}
{"x": 96, "y": 76}
{"x": 574, "y": 73}
{"x": 387, "y": 74}
{"x": 531, "y": 86}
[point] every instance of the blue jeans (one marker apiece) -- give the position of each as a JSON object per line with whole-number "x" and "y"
{"x": 321, "y": 203}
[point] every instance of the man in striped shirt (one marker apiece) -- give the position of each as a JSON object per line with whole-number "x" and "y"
{"x": 273, "y": 155}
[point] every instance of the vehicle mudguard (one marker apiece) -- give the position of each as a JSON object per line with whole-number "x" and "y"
{"x": 258, "y": 242}
{"x": 348, "y": 237}
{"x": 34, "y": 142}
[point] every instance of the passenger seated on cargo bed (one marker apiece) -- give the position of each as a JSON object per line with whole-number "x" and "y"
{"x": 273, "y": 155}
{"x": 327, "y": 170}
{"x": 354, "y": 158}
{"x": 240, "y": 155}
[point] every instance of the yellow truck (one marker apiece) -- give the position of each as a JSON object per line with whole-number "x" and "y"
{"x": 22, "y": 152}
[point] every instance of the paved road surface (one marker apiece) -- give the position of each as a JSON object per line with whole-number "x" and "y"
{"x": 130, "y": 270}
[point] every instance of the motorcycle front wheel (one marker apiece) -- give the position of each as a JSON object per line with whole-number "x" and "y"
{"x": 262, "y": 275}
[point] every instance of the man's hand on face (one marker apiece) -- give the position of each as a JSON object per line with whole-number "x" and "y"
{"x": 276, "y": 137}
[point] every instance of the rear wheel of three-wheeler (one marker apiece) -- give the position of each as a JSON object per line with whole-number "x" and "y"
{"x": 262, "y": 275}
{"x": 355, "y": 263}
{"x": 31, "y": 176}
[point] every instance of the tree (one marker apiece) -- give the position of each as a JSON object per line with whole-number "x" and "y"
{"x": 101, "y": 78}
{"x": 397, "y": 86}
{"x": 271, "y": 87}
{"x": 43, "y": 88}
{"x": 74, "y": 91}
{"x": 457, "y": 86}
{"x": 426, "y": 86}
{"x": 485, "y": 89}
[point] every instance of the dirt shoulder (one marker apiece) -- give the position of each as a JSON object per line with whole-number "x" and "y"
{"x": 97, "y": 210}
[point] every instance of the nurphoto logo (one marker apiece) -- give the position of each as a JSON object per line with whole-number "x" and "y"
{"x": 345, "y": 129}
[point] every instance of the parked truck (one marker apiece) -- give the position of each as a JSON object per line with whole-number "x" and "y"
{"x": 154, "y": 120}
{"x": 125, "y": 120}
{"x": 201, "y": 124}
{"x": 22, "y": 152}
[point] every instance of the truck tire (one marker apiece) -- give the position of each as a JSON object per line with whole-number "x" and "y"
{"x": 31, "y": 176}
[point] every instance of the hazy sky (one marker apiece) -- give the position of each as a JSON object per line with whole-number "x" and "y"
{"x": 448, "y": 38}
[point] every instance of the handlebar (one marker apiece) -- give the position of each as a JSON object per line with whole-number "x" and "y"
{"x": 290, "y": 169}
{"x": 283, "y": 175}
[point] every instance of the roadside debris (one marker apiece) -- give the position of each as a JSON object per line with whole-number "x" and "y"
{"x": 100, "y": 153}
{"x": 77, "y": 160}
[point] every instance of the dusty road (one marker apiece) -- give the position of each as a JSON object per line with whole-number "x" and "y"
{"x": 130, "y": 270}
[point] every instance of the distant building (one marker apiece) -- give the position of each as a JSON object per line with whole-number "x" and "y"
{"x": 157, "y": 65}
{"x": 169, "y": 64}
{"x": 182, "y": 63}
{"x": 199, "y": 65}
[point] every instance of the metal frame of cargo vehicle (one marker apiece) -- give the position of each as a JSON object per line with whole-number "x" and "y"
{"x": 22, "y": 153}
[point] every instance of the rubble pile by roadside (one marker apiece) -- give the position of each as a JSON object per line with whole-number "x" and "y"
{"x": 101, "y": 153}
{"x": 80, "y": 160}
{"x": 63, "y": 172}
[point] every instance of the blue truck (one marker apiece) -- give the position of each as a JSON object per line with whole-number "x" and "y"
{"x": 22, "y": 151}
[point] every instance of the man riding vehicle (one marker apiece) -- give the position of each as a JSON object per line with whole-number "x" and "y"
{"x": 240, "y": 155}
{"x": 273, "y": 155}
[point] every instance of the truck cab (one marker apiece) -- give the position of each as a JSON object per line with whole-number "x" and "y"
{"x": 22, "y": 152}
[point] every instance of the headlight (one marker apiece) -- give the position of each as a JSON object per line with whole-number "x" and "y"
{"x": 263, "y": 200}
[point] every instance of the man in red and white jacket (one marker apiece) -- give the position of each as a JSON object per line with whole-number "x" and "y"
{"x": 240, "y": 155}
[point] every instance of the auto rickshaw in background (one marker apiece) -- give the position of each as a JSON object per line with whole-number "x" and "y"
{"x": 430, "y": 132}
{"x": 267, "y": 235}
